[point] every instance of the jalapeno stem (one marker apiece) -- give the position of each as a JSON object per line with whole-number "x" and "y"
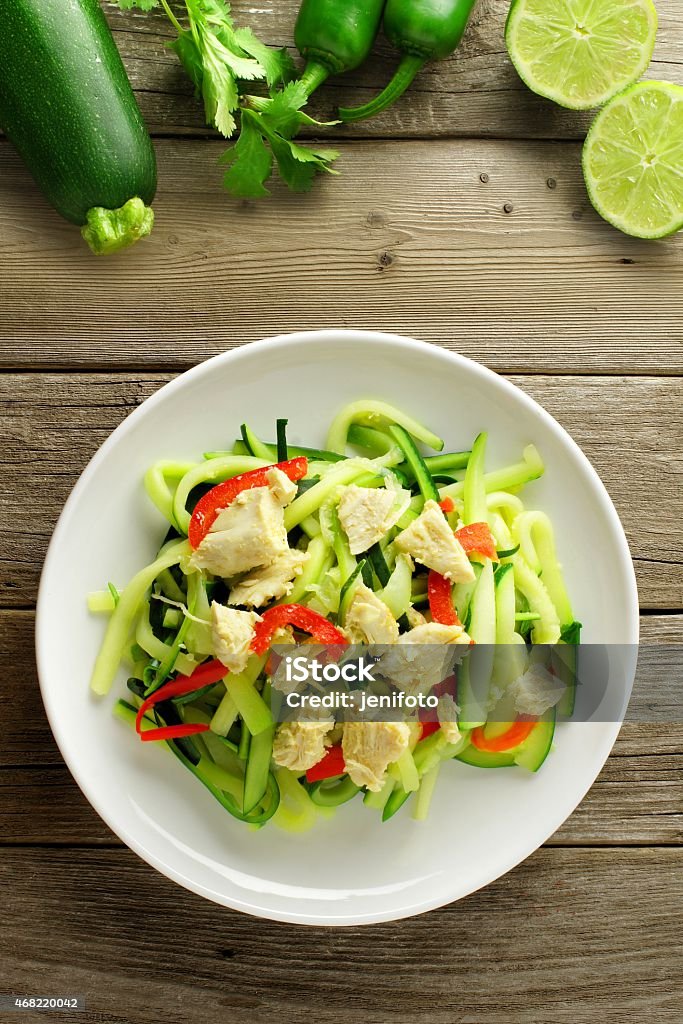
{"x": 313, "y": 77}
{"x": 405, "y": 73}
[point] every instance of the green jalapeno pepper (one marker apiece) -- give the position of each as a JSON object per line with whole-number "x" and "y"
{"x": 335, "y": 37}
{"x": 423, "y": 30}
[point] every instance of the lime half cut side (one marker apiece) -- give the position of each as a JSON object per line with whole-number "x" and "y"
{"x": 580, "y": 53}
{"x": 633, "y": 160}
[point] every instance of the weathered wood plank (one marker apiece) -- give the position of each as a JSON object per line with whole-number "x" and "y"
{"x": 52, "y": 425}
{"x": 407, "y": 239}
{"x": 475, "y": 93}
{"x": 569, "y": 937}
{"x": 638, "y": 798}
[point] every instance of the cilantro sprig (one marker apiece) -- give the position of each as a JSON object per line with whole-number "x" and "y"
{"x": 219, "y": 59}
{"x": 268, "y": 127}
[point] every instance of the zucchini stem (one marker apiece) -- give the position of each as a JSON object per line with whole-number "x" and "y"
{"x": 108, "y": 231}
{"x": 405, "y": 73}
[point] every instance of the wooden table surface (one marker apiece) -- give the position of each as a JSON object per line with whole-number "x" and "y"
{"x": 461, "y": 218}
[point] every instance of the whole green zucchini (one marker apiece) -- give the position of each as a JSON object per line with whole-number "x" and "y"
{"x": 68, "y": 108}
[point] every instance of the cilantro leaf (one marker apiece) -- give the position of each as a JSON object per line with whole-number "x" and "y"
{"x": 278, "y": 65}
{"x": 218, "y": 87}
{"x": 282, "y": 111}
{"x": 186, "y": 49}
{"x": 214, "y": 60}
{"x": 251, "y": 162}
{"x": 298, "y": 165}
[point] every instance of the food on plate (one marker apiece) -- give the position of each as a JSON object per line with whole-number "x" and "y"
{"x": 580, "y": 53}
{"x": 367, "y": 541}
{"x": 421, "y": 31}
{"x": 68, "y": 108}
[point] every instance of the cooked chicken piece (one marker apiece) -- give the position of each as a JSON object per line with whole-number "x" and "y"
{"x": 281, "y": 486}
{"x": 366, "y": 513}
{"x": 270, "y": 581}
{"x": 370, "y": 747}
{"x": 435, "y": 633}
{"x": 250, "y": 532}
{"x": 430, "y": 541}
{"x": 536, "y": 691}
{"x": 232, "y": 632}
{"x": 368, "y": 620}
{"x": 422, "y": 657}
{"x": 447, "y": 713}
{"x": 415, "y": 618}
{"x": 300, "y": 745}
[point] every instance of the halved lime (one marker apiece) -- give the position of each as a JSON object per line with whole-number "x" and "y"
{"x": 580, "y": 53}
{"x": 633, "y": 160}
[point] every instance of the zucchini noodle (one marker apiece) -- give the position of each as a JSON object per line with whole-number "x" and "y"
{"x": 156, "y": 485}
{"x": 510, "y": 504}
{"x": 156, "y": 648}
{"x": 501, "y": 479}
{"x": 319, "y": 562}
{"x": 376, "y": 442}
{"x": 297, "y": 812}
{"x": 371, "y": 414}
{"x": 397, "y": 593}
{"x": 123, "y": 616}
{"x": 198, "y": 636}
{"x": 533, "y": 531}
{"x": 501, "y": 532}
{"x": 546, "y": 629}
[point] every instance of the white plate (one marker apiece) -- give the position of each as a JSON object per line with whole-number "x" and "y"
{"x": 353, "y": 869}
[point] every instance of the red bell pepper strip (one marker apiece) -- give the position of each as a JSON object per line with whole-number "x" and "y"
{"x": 173, "y": 732}
{"x": 447, "y": 505}
{"x": 220, "y": 496}
{"x": 330, "y": 765}
{"x": 428, "y": 728}
{"x": 210, "y": 672}
{"x": 300, "y": 617}
{"x": 440, "y": 599}
{"x": 476, "y": 539}
{"x": 516, "y": 734}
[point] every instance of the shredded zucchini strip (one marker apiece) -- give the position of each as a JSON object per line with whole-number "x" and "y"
{"x": 156, "y": 484}
{"x": 123, "y": 616}
{"x": 546, "y": 629}
{"x": 374, "y": 414}
{"x": 533, "y": 531}
{"x": 519, "y": 473}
